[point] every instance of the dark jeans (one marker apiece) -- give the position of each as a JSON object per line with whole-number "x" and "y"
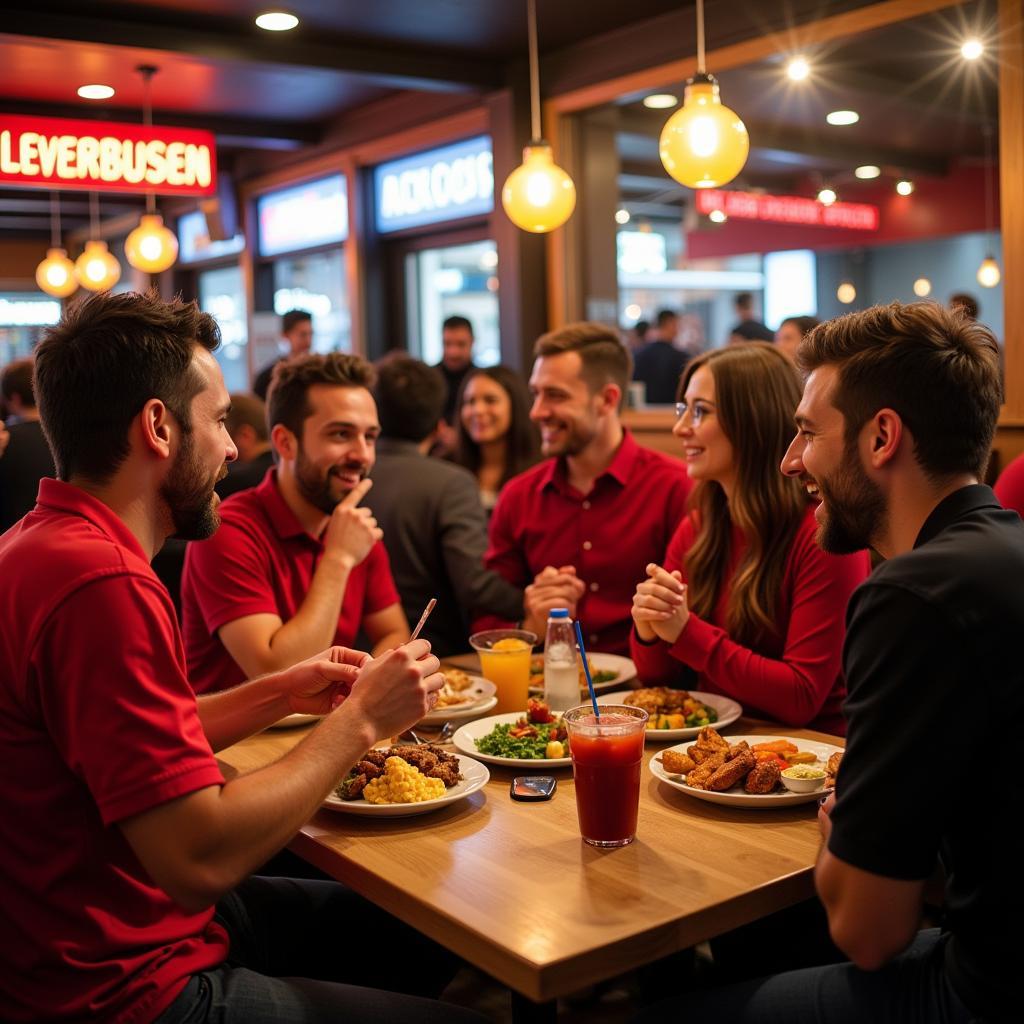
{"x": 912, "y": 988}
{"x": 307, "y": 950}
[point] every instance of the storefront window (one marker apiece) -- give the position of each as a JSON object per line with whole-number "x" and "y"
{"x": 316, "y": 282}
{"x": 456, "y": 280}
{"x": 23, "y": 318}
{"x": 221, "y": 294}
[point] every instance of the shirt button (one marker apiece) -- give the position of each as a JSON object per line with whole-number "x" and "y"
{"x": 586, "y": 504}
{"x": 593, "y": 586}
{"x": 587, "y": 545}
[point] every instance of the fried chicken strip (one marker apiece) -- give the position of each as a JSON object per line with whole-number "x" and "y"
{"x": 731, "y": 773}
{"x": 764, "y": 777}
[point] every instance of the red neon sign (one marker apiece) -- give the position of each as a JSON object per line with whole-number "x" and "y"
{"x": 789, "y": 210}
{"x": 105, "y": 156}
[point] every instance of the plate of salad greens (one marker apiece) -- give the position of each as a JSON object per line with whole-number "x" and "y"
{"x": 535, "y": 740}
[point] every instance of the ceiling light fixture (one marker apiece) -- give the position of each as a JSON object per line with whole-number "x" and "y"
{"x": 276, "y": 21}
{"x": 972, "y": 49}
{"x": 151, "y": 247}
{"x": 922, "y": 287}
{"x": 798, "y": 69}
{"x": 660, "y": 101}
{"x": 622, "y": 216}
{"x": 95, "y": 92}
{"x": 846, "y": 293}
{"x": 905, "y": 187}
{"x": 842, "y": 117}
{"x": 705, "y": 144}
{"x": 56, "y": 274}
{"x": 827, "y": 196}
{"x": 867, "y": 171}
{"x": 97, "y": 268}
{"x": 718, "y": 216}
{"x": 538, "y": 195}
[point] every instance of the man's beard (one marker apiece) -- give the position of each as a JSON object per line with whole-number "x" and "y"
{"x": 575, "y": 439}
{"x": 316, "y": 487}
{"x": 188, "y": 492}
{"x": 855, "y": 508}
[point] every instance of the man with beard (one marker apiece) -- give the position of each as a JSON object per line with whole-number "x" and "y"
{"x": 895, "y": 427}
{"x": 298, "y": 564}
{"x": 573, "y": 529}
{"x": 124, "y": 853}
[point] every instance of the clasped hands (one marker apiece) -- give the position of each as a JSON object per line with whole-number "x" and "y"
{"x": 551, "y": 588}
{"x": 660, "y": 610}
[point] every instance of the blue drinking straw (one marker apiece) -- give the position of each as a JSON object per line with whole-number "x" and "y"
{"x": 586, "y": 668}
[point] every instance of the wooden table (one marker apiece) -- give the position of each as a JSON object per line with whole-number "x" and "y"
{"x": 512, "y": 888}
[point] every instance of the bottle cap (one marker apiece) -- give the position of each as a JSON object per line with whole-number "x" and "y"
{"x": 558, "y": 613}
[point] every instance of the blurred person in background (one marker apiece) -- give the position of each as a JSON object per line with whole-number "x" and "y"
{"x": 27, "y": 458}
{"x": 791, "y": 332}
{"x": 247, "y": 425}
{"x": 297, "y": 334}
{"x": 456, "y": 362}
{"x": 496, "y": 438}
{"x": 743, "y": 596}
{"x": 964, "y": 302}
{"x": 749, "y": 328}
{"x": 435, "y": 529}
{"x": 659, "y": 363}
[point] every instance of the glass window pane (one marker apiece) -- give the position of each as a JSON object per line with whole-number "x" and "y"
{"x": 221, "y": 293}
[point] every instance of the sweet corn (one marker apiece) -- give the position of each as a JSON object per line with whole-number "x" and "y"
{"x": 402, "y": 783}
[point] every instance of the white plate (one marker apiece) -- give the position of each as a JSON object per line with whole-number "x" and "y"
{"x": 291, "y": 721}
{"x": 483, "y": 691}
{"x": 728, "y": 711}
{"x": 737, "y": 797}
{"x": 623, "y": 668}
{"x": 474, "y": 777}
{"x": 465, "y": 737}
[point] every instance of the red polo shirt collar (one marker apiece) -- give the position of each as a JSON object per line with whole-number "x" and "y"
{"x": 620, "y": 468}
{"x": 283, "y": 520}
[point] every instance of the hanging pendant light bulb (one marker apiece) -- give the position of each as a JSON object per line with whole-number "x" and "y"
{"x": 538, "y": 195}
{"x": 56, "y": 274}
{"x": 97, "y": 268}
{"x": 988, "y": 273}
{"x": 988, "y": 270}
{"x": 846, "y": 292}
{"x": 152, "y": 247}
{"x": 704, "y": 144}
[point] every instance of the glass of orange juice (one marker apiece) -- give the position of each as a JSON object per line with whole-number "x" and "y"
{"x": 505, "y": 661}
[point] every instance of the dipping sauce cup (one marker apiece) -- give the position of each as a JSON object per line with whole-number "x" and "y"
{"x": 505, "y": 661}
{"x": 607, "y": 756}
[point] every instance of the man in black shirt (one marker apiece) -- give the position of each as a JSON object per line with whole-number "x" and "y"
{"x": 659, "y": 364}
{"x": 895, "y": 426}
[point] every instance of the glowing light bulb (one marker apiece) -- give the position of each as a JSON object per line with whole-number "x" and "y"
{"x": 827, "y": 196}
{"x": 718, "y": 216}
{"x": 972, "y": 49}
{"x": 905, "y": 187}
{"x": 867, "y": 171}
{"x": 842, "y": 117}
{"x": 660, "y": 101}
{"x": 538, "y": 195}
{"x": 55, "y": 275}
{"x": 988, "y": 273}
{"x": 276, "y": 21}
{"x": 97, "y": 269}
{"x": 798, "y": 69}
{"x": 922, "y": 287}
{"x": 622, "y": 216}
{"x": 151, "y": 247}
{"x": 704, "y": 144}
{"x": 95, "y": 92}
{"x": 846, "y": 292}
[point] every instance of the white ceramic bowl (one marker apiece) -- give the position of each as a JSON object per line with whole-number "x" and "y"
{"x": 802, "y": 785}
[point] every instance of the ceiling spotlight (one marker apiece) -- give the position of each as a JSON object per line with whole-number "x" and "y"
{"x": 633, "y": 311}
{"x": 846, "y": 293}
{"x": 798, "y": 69}
{"x": 972, "y": 49}
{"x": 827, "y": 196}
{"x": 922, "y": 287}
{"x": 842, "y": 117}
{"x": 276, "y": 21}
{"x": 622, "y": 216}
{"x": 661, "y": 101}
{"x": 867, "y": 171}
{"x": 718, "y": 216}
{"x": 904, "y": 187}
{"x": 95, "y": 92}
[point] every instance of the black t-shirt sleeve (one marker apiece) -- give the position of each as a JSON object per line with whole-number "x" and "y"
{"x": 905, "y": 670}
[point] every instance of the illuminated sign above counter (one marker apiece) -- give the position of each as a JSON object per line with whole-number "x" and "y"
{"x": 303, "y": 216}
{"x": 440, "y": 185}
{"x": 789, "y": 210}
{"x": 104, "y": 156}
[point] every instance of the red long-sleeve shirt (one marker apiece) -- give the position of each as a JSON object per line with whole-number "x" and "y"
{"x": 793, "y": 677}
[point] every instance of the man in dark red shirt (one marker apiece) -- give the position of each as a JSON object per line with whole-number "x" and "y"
{"x": 118, "y": 832}
{"x": 572, "y": 529}
{"x": 297, "y": 565}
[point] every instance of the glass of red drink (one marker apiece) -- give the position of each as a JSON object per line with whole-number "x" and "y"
{"x": 607, "y": 755}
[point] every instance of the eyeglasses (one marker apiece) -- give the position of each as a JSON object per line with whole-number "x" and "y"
{"x": 697, "y": 411}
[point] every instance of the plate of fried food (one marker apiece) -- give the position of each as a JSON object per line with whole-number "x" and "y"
{"x": 400, "y": 781}
{"x": 606, "y": 670}
{"x": 677, "y": 714}
{"x": 749, "y": 771}
{"x": 462, "y": 696}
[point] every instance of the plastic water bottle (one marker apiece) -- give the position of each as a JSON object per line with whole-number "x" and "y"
{"x": 561, "y": 676}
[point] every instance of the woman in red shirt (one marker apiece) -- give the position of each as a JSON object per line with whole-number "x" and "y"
{"x": 746, "y": 598}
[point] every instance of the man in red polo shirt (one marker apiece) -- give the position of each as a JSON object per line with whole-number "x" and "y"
{"x": 118, "y": 832}
{"x": 571, "y": 529}
{"x": 297, "y": 564}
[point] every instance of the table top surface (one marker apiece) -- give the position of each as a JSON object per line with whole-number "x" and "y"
{"x": 512, "y": 888}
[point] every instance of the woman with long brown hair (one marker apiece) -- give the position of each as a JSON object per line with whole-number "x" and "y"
{"x": 745, "y": 598}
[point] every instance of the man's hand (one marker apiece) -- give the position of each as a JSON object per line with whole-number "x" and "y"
{"x": 659, "y": 605}
{"x": 352, "y": 531}
{"x": 825, "y": 815}
{"x": 393, "y": 692}
{"x": 551, "y": 588}
{"x": 320, "y": 683}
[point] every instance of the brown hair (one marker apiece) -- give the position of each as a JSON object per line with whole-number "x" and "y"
{"x": 937, "y": 369}
{"x": 756, "y": 394}
{"x": 605, "y": 359}
{"x": 108, "y": 356}
{"x": 288, "y": 398}
{"x": 247, "y": 410}
{"x": 16, "y": 379}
